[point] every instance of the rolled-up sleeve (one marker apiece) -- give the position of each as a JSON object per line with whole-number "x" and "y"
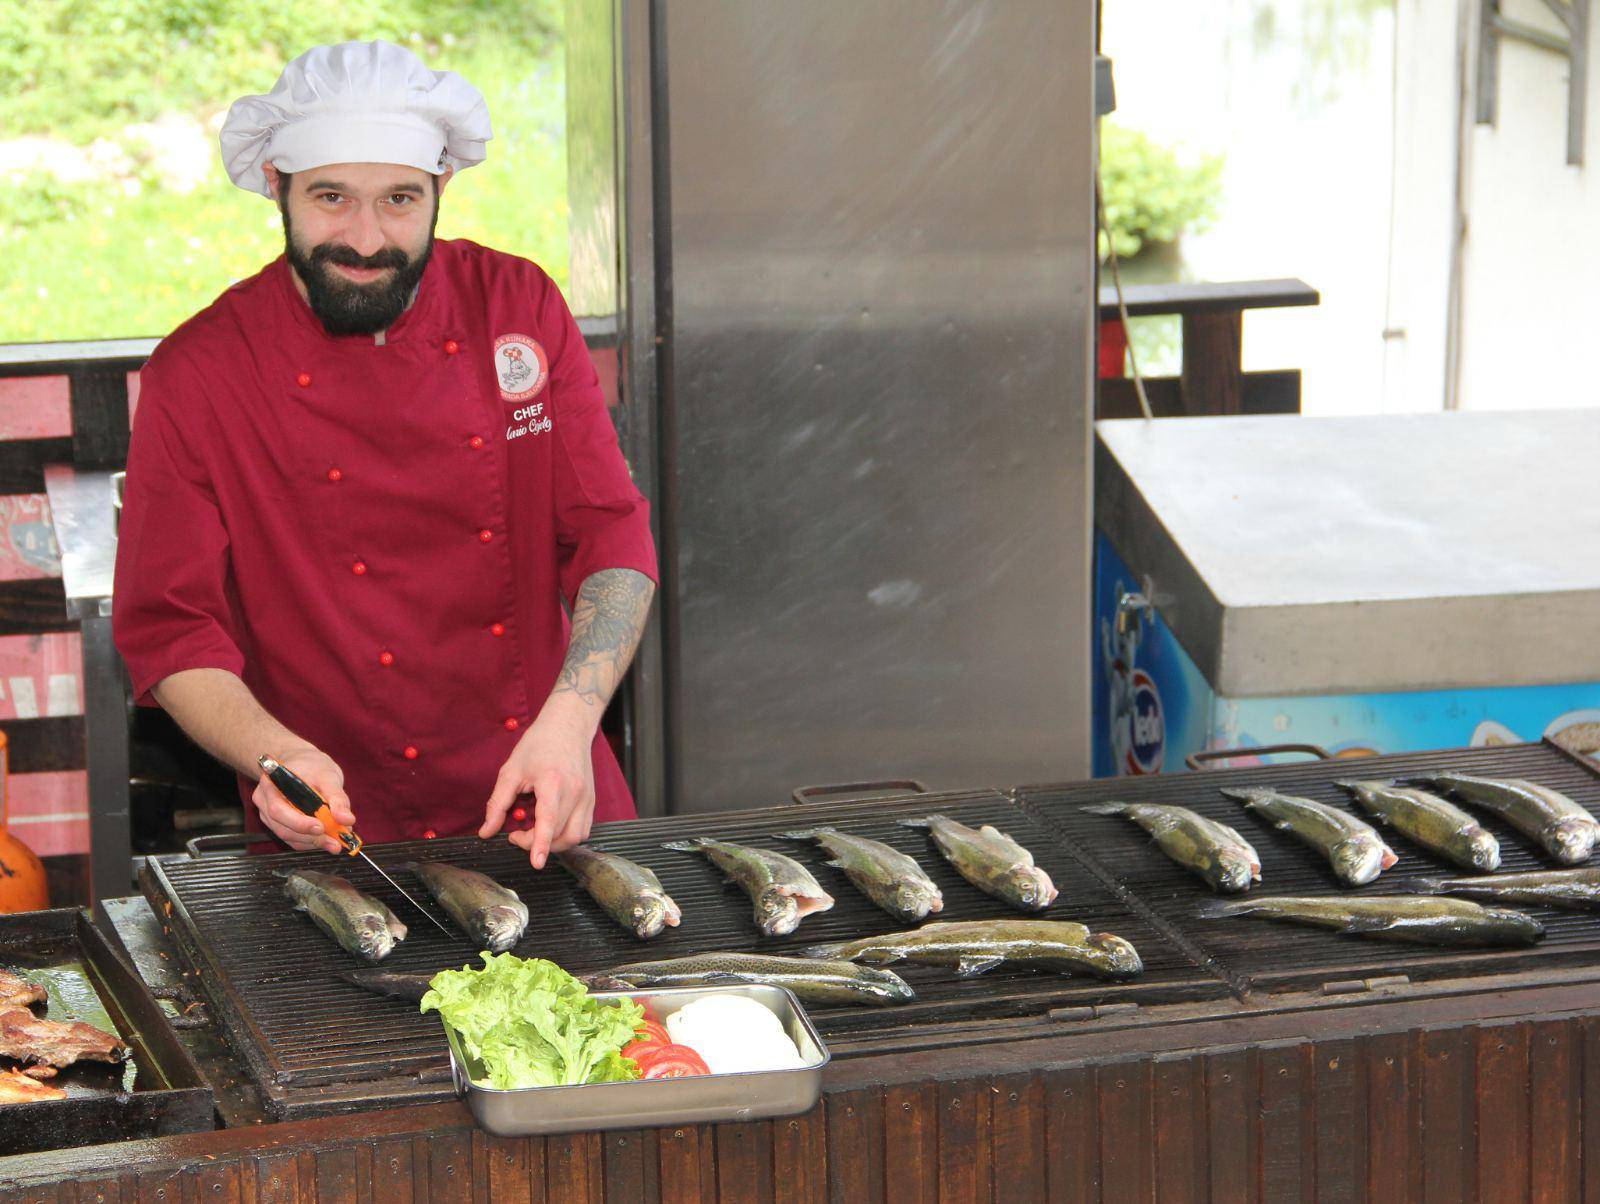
{"x": 170, "y": 608}
{"x": 602, "y": 521}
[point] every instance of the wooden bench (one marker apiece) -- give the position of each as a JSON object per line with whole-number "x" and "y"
{"x": 1213, "y": 381}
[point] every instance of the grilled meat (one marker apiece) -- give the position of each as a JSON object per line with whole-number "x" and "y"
{"x": 629, "y": 893}
{"x": 973, "y": 946}
{"x": 18, "y": 1088}
{"x": 18, "y": 992}
{"x": 1352, "y": 846}
{"x": 991, "y": 861}
{"x": 887, "y": 876}
{"x": 1432, "y": 822}
{"x": 359, "y": 923}
{"x": 783, "y": 890}
{"x": 490, "y": 914}
{"x": 24, "y": 1037}
{"x": 1214, "y": 852}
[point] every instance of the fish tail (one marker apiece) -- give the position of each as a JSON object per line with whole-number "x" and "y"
{"x": 803, "y": 834}
{"x": 1106, "y": 808}
{"x": 692, "y": 844}
{"x": 1354, "y": 784}
{"x": 1248, "y": 795}
{"x": 1216, "y": 909}
{"x": 1420, "y": 886}
{"x": 925, "y": 821}
{"x": 830, "y": 950}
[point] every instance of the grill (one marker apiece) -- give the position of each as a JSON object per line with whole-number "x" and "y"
{"x": 1261, "y": 954}
{"x": 314, "y": 1044}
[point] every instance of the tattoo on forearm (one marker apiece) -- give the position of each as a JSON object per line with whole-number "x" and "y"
{"x": 607, "y": 620}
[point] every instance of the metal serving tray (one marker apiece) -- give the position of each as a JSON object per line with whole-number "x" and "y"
{"x": 647, "y": 1103}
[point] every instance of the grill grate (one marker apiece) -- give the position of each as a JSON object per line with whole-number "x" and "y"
{"x": 317, "y": 1044}
{"x": 1275, "y": 955}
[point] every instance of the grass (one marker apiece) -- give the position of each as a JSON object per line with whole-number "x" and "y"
{"x": 118, "y": 259}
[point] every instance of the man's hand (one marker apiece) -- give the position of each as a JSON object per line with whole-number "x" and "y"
{"x": 553, "y": 762}
{"x": 292, "y": 825}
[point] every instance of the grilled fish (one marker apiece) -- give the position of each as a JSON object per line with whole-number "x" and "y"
{"x": 630, "y": 893}
{"x": 1352, "y": 846}
{"x": 391, "y": 984}
{"x": 783, "y": 890}
{"x": 973, "y": 946}
{"x": 1575, "y": 890}
{"x": 490, "y": 914}
{"x": 18, "y": 992}
{"x": 1566, "y": 830}
{"x": 991, "y": 861}
{"x": 887, "y": 876}
{"x": 1420, "y": 920}
{"x": 814, "y": 981}
{"x": 27, "y": 1038}
{"x": 359, "y": 923}
{"x": 1222, "y": 858}
{"x": 1430, "y": 821}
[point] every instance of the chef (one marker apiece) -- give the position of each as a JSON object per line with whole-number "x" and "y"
{"x": 377, "y": 524}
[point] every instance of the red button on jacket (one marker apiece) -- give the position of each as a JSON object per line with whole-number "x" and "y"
{"x": 224, "y": 557}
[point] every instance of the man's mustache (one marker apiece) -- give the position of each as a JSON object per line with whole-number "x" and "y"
{"x": 345, "y": 256}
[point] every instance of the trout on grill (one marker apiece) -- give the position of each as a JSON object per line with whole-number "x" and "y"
{"x": 18, "y": 1088}
{"x": 973, "y": 946}
{"x": 1431, "y": 821}
{"x": 359, "y": 923}
{"x": 893, "y": 881}
{"x": 991, "y": 861}
{"x": 1352, "y": 846}
{"x": 1565, "y": 830}
{"x": 813, "y": 980}
{"x": 1575, "y": 890}
{"x": 629, "y": 893}
{"x": 1214, "y": 852}
{"x": 1417, "y": 919}
{"x": 491, "y": 915}
{"x": 18, "y": 992}
{"x": 783, "y": 890}
{"x": 26, "y": 1038}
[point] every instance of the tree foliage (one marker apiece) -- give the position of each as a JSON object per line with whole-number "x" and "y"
{"x": 1151, "y": 196}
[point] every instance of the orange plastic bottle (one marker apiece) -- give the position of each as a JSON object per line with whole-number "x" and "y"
{"x": 22, "y": 880}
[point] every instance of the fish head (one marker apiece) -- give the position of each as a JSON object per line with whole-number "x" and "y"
{"x": 652, "y": 912}
{"x": 1030, "y": 886}
{"x": 1235, "y": 872}
{"x": 1358, "y": 861}
{"x": 1483, "y": 850}
{"x": 501, "y": 927}
{"x": 916, "y": 899}
{"x": 1121, "y": 957}
{"x": 373, "y": 939}
{"x": 777, "y": 914}
{"x": 1573, "y": 840}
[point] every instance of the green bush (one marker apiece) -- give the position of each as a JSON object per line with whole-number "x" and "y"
{"x": 1150, "y": 195}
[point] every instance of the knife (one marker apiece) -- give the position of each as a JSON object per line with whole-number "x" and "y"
{"x": 304, "y": 796}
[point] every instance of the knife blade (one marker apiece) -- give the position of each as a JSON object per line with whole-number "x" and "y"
{"x": 304, "y": 796}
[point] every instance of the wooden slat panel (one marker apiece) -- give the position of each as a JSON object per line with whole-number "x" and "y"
{"x": 1180, "y": 1128}
{"x": 511, "y": 1167}
{"x": 911, "y": 1142}
{"x": 629, "y": 1169}
{"x": 573, "y": 1167}
{"x": 161, "y": 1187}
{"x": 394, "y": 1172}
{"x": 52, "y": 745}
{"x": 337, "y": 1176}
{"x": 1447, "y": 1116}
{"x": 1125, "y": 1132}
{"x": 1589, "y": 1136}
{"x": 744, "y": 1161}
{"x": 1502, "y": 1119}
{"x": 1019, "y": 1169}
{"x": 1072, "y": 1134}
{"x": 855, "y": 1145}
{"x": 960, "y": 1142}
{"x": 1230, "y": 1086}
{"x": 1554, "y": 1053}
{"x": 684, "y": 1176}
{"x": 22, "y": 462}
{"x": 1340, "y": 1091}
{"x": 98, "y": 1191}
{"x": 800, "y": 1158}
{"x": 33, "y": 606}
{"x": 449, "y": 1167}
{"x": 1394, "y": 1144}
{"x": 1211, "y": 349}
{"x": 278, "y": 1179}
{"x": 1286, "y": 1165}
{"x": 57, "y": 1194}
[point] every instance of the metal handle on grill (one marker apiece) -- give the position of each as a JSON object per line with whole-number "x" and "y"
{"x": 1198, "y": 760}
{"x": 810, "y": 794}
{"x": 225, "y": 840}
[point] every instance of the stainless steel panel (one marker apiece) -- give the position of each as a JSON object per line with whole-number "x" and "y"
{"x": 1295, "y": 555}
{"x": 876, "y": 387}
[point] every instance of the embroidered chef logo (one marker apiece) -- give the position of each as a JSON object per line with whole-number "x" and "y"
{"x": 521, "y": 365}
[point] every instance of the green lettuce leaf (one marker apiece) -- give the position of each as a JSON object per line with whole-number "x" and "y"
{"x": 531, "y": 1024}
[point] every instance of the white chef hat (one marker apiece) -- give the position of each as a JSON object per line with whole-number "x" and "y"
{"x": 355, "y": 102}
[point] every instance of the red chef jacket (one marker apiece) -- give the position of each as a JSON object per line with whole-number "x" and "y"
{"x": 377, "y": 538}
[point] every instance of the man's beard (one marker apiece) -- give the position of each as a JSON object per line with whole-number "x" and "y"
{"x": 344, "y": 306}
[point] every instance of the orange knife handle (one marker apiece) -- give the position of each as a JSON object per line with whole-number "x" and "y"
{"x": 350, "y": 841}
{"x": 305, "y": 796}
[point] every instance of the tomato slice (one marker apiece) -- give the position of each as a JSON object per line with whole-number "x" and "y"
{"x": 639, "y": 1048}
{"x": 649, "y": 1030}
{"x": 672, "y": 1062}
